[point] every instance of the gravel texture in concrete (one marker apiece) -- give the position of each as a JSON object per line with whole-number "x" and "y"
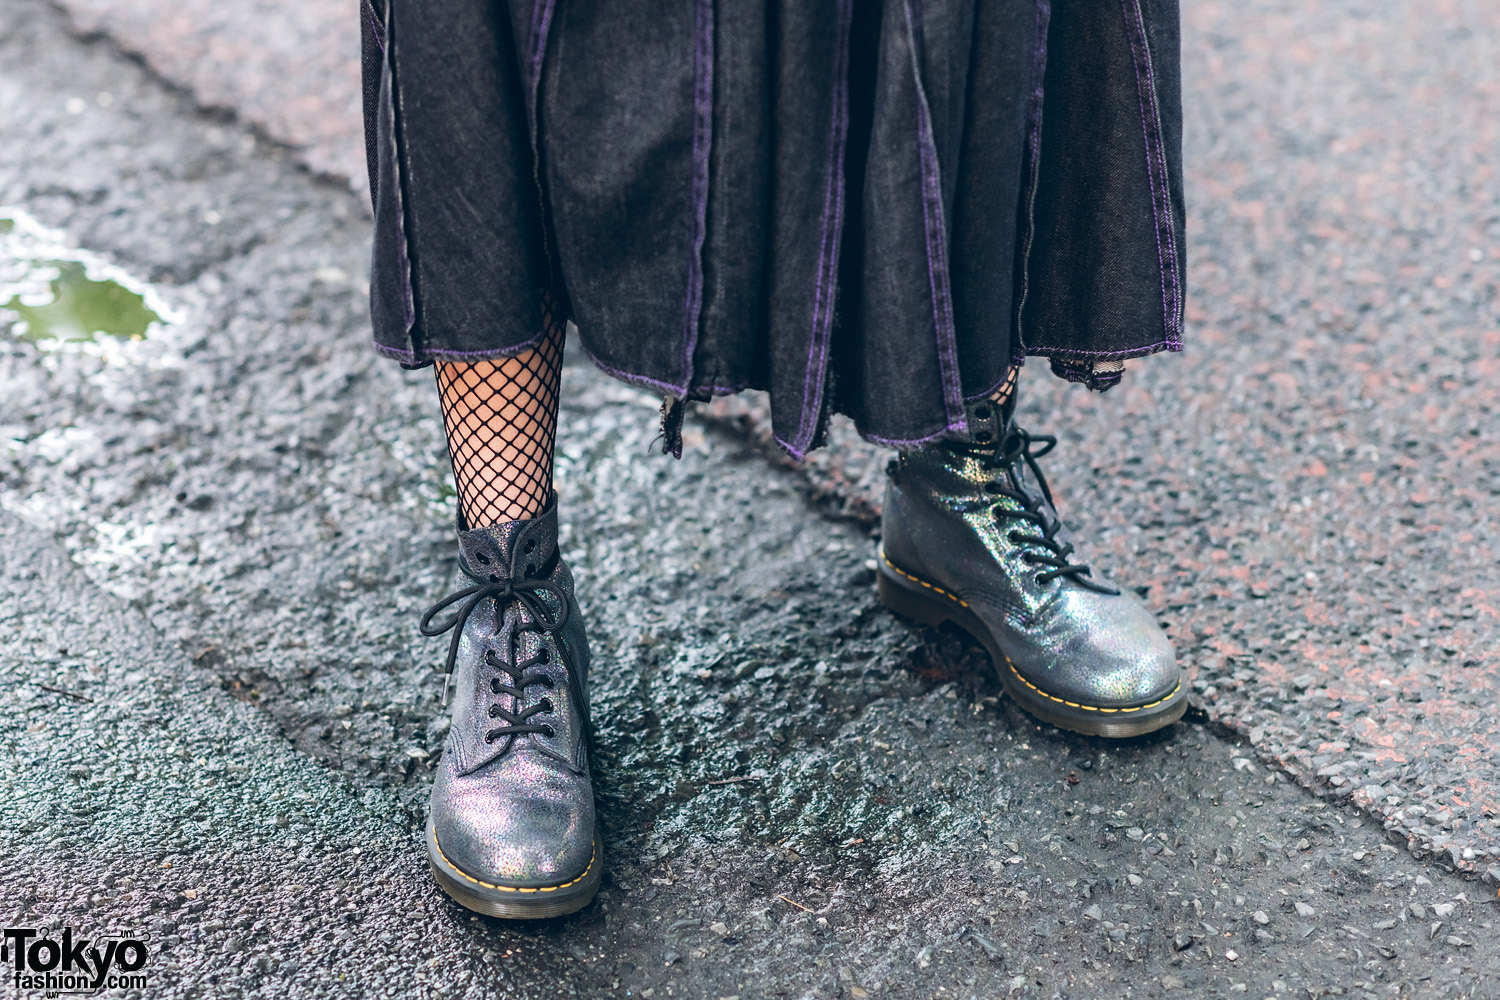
{"x": 219, "y": 721}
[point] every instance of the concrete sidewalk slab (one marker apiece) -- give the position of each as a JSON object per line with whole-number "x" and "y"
{"x": 289, "y": 69}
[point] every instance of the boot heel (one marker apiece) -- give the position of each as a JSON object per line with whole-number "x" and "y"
{"x": 907, "y": 600}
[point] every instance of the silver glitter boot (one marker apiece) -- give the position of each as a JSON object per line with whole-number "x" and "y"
{"x": 511, "y": 830}
{"x": 970, "y": 535}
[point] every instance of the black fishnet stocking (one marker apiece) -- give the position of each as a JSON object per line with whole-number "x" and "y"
{"x": 501, "y": 418}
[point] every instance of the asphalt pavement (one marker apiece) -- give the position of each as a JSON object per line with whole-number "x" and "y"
{"x": 220, "y": 721}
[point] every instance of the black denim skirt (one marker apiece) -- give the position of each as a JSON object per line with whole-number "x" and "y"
{"x": 873, "y": 207}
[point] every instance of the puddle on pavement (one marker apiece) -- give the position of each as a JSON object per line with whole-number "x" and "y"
{"x": 52, "y": 294}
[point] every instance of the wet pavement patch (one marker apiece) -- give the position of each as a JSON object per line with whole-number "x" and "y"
{"x": 51, "y": 294}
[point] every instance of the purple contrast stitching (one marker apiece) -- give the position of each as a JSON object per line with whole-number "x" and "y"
{"x": 936, "y": 234}
{"x": 703, "y": 109}
{"x": 1174, "y": 323}
{"x": 886, "y": 442}
{"x": 536, "y": 45}
{"x": 1173, "y": 346}
{"x": 986, "y": 394}
{"x": 1034, "y": 104}
{"x": 831, "y": 241}
{"x": 375, "y": 26}
{"x": 439, "y": 352}
{"x": 1155, "y": 163}
{"x": 1136, "y": 32}
{"x": 650, "y": 383}
{"x": 798, "y": 454}
{"x": 395, "y": 352}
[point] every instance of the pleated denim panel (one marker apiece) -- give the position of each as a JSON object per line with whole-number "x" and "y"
{"x": 874, "y": 208}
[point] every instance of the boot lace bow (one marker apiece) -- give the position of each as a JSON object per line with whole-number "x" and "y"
{"x": 513, "y": 680}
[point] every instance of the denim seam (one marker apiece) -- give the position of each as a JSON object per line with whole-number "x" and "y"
{"x": 681, "y": 391}
{"x": 376, "y": 28}
{"x": 986, "y": 394}
{"x": 536, "y": 50}
{"x": 1174, "y": 330}
{"x": 398, "y": 353}
{"x": 936, "y": 236}
{"x": 1034, "y": 105}
{"x": 1155, "y": 164}
{"x": 427, "y": 355}
{"x": 904, "y": 443}
{"x": 703, "y": 108}
{"x": 798, "y": 454}
{"x": 830, "y": 242}
{"x": 399, "y": 171}
{"x": 1173, "y": 346}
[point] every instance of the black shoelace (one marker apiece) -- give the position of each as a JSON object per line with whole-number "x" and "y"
{"x": 526, "y": 592}
{"x": 1043, "y": 548}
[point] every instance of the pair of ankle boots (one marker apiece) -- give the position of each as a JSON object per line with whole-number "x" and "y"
{"x": 970, "y": 535}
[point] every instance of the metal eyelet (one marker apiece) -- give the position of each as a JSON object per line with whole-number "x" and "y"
{"x": 982, "y": 412}
{"x": 481, "y": 558}
{"x": 530, "y": 546}
{"x": 549, "y": 732}
{"x": 547, "y": 706}
{"x": 981, "y": 436}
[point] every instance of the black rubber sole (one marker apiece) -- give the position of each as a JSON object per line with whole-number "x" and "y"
{"x": 509, "y": 902}
{"x": 930, "y": 604}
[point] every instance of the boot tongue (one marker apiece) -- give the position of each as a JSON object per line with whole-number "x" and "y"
{"x": 514, "y": 550}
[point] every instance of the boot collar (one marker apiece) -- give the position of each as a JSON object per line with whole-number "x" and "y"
{"x": 515, "y": 550}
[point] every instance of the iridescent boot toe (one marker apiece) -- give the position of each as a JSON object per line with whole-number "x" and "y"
{"x": 970, "y": 535}
{"x": 512, "y": 831}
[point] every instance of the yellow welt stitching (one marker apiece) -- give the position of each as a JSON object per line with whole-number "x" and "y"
{"x": 508, "y": 888}
{"x": 1089, "y": 708}
{"x": 913, "y": 579}
{"x": 1008, "y": 663}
